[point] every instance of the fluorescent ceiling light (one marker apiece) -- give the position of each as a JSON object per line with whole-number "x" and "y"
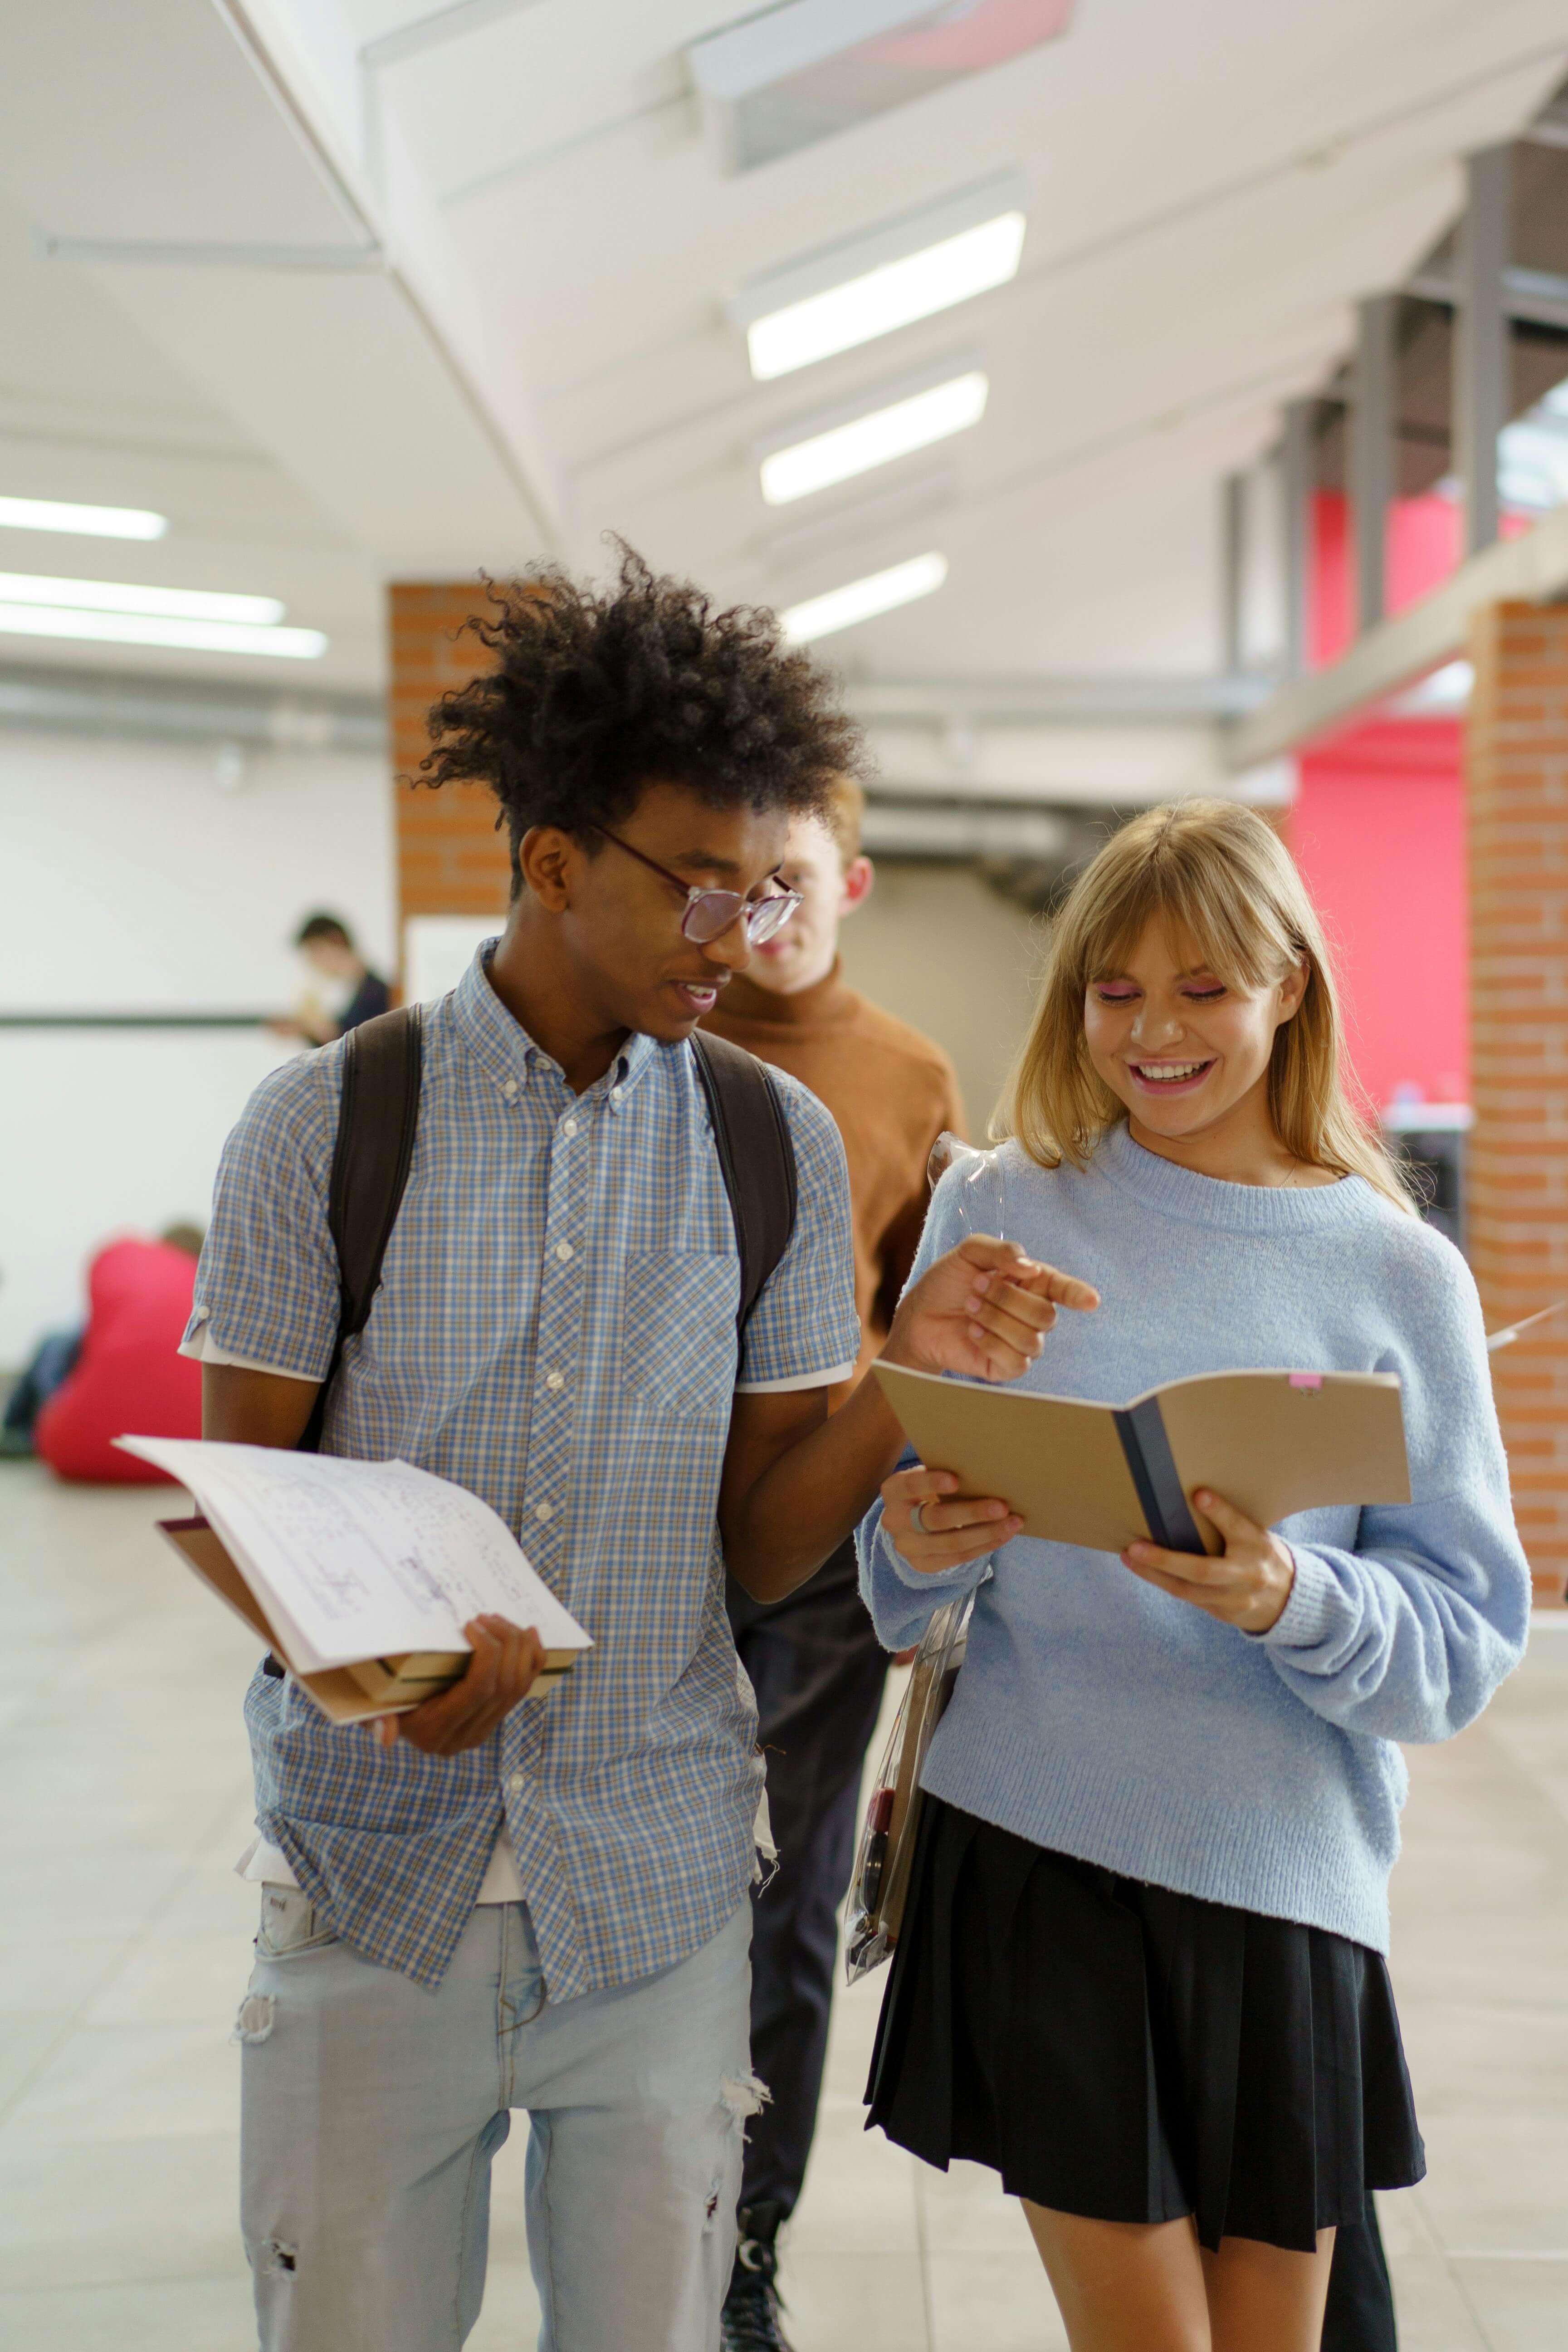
{"x": 862, "y": 600}
{"x": 157, "y": 629}
{"x": 88, "y": 523}
{"x": 124, "y": 597}
{"x": 893, "y": 295}
{"x": 886, "y": 278}
{"x": 854, "y": 447}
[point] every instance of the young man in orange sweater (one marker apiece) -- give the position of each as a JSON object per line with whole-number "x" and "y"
{"x": 814, "y": 1663}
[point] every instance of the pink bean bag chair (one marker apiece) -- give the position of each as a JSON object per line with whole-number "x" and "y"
{"x": 130, "y": 1376}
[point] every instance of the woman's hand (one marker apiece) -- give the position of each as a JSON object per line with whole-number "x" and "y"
{"x": 955, "y": 1528}
{"x": 982, "y": 1310}
{"x": 1247, "y": 1585}
{"x": 505, "y": 1661}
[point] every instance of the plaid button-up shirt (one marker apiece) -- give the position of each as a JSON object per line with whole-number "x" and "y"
{"x": 555, "y": 1330}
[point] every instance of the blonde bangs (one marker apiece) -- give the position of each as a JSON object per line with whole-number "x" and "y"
{"x": 1240, "y": 947}
{"x": 1217, "y": 873}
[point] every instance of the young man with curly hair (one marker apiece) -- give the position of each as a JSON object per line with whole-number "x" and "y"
{"x": 491, "y": 1905}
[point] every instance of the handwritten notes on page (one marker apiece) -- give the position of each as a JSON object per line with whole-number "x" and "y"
{"x": 357, "y": 1559}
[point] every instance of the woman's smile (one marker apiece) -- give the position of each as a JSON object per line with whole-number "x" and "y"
{"x": 1168, "y": 1075}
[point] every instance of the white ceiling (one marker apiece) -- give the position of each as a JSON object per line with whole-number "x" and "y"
{"x": 544, "y": 356}
{"x": 91, "y": 410}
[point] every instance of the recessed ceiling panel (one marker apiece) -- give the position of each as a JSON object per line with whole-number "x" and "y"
{"x": 800, "y": 73}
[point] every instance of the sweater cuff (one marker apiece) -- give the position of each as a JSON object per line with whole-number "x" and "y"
{"x": 919, "y": 1580}
{"x": 1316, "y": 1601}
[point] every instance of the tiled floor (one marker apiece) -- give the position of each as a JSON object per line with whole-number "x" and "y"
{"x": 124, "y": 1949}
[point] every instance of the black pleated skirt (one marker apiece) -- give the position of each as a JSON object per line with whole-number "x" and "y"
{"x": 1121, "y": 2051}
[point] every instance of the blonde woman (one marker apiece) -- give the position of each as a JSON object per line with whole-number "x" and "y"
{"x": 1141, "y": 1973}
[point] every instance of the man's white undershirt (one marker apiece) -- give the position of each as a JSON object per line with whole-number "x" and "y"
{"x": 500, "y": 1884}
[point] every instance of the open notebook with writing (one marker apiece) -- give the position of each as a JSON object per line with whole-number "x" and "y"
{"x": 359, "y": 1575}
{"x": 1104, "y": 1475}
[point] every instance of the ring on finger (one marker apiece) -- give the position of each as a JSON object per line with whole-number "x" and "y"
{"x": 918, "y": 1516}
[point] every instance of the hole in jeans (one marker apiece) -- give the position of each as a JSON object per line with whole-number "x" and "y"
{"x": 254, "y": 2023}
{"x": 744, "y": 2096}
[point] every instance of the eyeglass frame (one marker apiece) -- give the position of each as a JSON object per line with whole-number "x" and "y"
{"x": 744, "y": 909}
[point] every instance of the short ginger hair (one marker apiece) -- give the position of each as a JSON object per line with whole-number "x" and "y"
{"x": 843, "y": 814}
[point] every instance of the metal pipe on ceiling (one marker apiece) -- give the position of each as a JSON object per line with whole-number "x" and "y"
{"x": 1372, "y": 412}
{"x": 1481, "y": 372}
{"x": 180, "y": 710}
{"x": 189, "y": 710}
{"x": 1296, "y": 455}
{"x": 1232, "y": 568}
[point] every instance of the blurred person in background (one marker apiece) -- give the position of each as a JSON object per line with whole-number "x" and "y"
{"x": 349, "y": 992}
{"x": 814, "y": 1659}
{"x": 122, "y": 1371}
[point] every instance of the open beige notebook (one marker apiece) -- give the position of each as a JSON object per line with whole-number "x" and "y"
{"x": 1105, "y": 1475}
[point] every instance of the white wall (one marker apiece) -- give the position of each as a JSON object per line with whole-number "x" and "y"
{"x": 131, "y": 881}
{"x": 934, "y": 944}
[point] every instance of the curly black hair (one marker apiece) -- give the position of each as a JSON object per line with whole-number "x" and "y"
{"x": 595, "y": 694}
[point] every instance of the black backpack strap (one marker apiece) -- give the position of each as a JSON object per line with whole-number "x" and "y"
{"x": 756, "y": 1158}
{"x": 378, "y": 1119}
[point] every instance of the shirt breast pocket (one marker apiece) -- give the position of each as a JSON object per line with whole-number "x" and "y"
{"x": 678, "y": 1331}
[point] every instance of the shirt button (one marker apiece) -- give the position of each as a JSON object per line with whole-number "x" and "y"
{"x": 554, "y": 1380}
{"x": 563, "y": 1251}
{"x": 569, "y": 1128}
{"x": 509, "y": 1090}
{"x": 617, "y": 1093}
{"x": 514, "y": 1782}
{"x": 543, "y": 1511}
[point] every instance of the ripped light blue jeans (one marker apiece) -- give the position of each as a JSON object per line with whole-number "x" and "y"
{"x": 372, "y": 2109}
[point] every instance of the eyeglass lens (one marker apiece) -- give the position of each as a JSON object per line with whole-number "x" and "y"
{"x": 712, "y": 911}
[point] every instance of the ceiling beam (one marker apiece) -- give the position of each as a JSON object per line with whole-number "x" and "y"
{"x": 1540, "y": 297}
{"x": 163, "y": 253}
{"x": 1531, "y": 570}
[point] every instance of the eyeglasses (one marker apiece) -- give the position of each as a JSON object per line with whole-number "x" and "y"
{"x": 710, "y": 913}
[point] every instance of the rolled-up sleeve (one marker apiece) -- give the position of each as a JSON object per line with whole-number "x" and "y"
{"x": 804, "y": 1331}
{"x": 267, "y": 1289}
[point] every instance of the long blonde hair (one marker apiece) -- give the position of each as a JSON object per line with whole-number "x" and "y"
{"x": 1219, "y": 872}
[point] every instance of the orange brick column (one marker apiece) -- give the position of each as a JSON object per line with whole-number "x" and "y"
{"x": 1518, "y": 1203}
{"x": 451, "y": 859}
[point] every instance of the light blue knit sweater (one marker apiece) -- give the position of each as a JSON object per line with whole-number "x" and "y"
{"x": 1101, "y": 1718}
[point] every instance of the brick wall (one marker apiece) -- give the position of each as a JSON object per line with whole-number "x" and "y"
{"x": 451, "y": 859}
{"x": 1517, "y": 758}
